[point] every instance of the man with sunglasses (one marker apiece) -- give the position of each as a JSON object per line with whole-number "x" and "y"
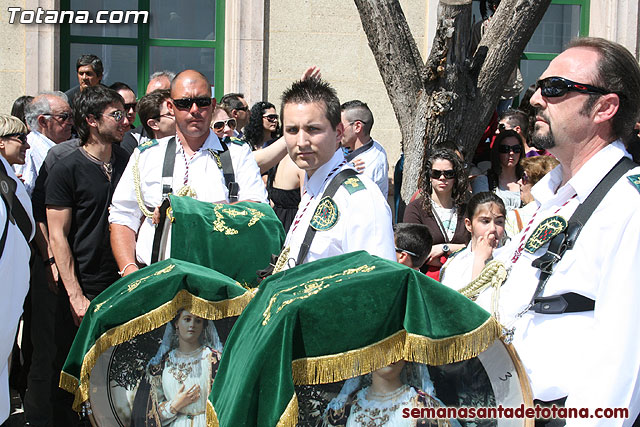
{"x": 78, "y": 194}
{"x": 357, "y": 120}
{"x": 197, "y": 155}
{"x": 572, "y": 291}
{"x": 130, "y": 102}
{"x": 50, "y": 119}
{"x": 238, "y": 109}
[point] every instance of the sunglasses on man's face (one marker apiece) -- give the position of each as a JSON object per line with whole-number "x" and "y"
{"x": 186, "y": 103}
{"x": 220, "y": 124}
{"x": 552, "y": 87}
{"x": 62, "y": 117}
{"x": 506, "y": 149}
{"x": 129, "y": 106}
{"x": 271, "y": 117}
{"x": 22, "y": 137}
{"x": 448, "y": 173}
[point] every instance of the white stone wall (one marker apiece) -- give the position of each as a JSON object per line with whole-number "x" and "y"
{"x": 328, "y": 33}
{"x": 12, "y": 57}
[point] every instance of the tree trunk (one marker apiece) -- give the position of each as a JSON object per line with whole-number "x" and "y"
{"x": 451, "y": 96}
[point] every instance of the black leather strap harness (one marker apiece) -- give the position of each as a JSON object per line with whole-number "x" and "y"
{"x": 331, "y": 189}
{"x": 566, "y": 240}
{"x": 16, "y": 214}
{"x": 167, "y": 186}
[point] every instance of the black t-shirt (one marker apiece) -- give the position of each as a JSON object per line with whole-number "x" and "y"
{"x": 78, "y": 182}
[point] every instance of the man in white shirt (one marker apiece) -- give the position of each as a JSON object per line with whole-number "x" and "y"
{"x": 587, "y": 350}
{"x": 357, "y": 121}
{"x": 196, "y": 172}
{"x": 50, "y": 119}
{"x": 357, "y": 216}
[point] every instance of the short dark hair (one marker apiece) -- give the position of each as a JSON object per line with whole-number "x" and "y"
{"x": 149, "y": 107}
{"x": 231, "y": 101}
{"x": 515, "y": 118}
{"x": 618, "y": 72}
{"x": 313, "y": 90}
{"x": 481, "y": 198}
{"x": 358, "y": 110}
{"x": 118, "y": 86}
{"x": 496, "y": 167}
{"x": 92, "y": 101}
{"x": 459, "y": 193}
{"x": 413, "y": 238}
{"x": 93, "y": 61}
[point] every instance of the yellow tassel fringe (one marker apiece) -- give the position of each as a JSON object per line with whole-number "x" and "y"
{"x": 143, "y": 324}
{"x": 401, "y": 345}
{"x": 289, "y": 417}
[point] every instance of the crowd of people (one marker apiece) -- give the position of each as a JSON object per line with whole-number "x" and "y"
{"x": 86, "y": 187}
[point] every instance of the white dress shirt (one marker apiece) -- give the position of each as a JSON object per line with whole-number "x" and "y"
{"x": 457, "y": 272}
{"x": 205, "y": 177}
{"x": 14, "y": 271}
{"x": 593, "y": 357}
{"x": 39, "y": 145}
{"x": 376, "y": 166}
{"x": 364, "y": 218}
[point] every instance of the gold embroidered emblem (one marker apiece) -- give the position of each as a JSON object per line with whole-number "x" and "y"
{"x": 544, "y": 232}
{"x": 326, "y": 215}
{"x": 305, "y": 290}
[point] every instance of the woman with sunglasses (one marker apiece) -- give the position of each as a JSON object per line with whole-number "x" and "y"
{"x": 440, "y": 206}
{"x": 506, "y": 152}
{"x": 263, "y": 127}
{"x": 222, "y": 124}
{"x": 13, "y": 142}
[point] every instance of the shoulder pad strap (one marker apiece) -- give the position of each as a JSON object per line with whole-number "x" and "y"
{"x": 147, "y": 144}
{"x": 353, "y": 184}
{"x": 233, "y": 140}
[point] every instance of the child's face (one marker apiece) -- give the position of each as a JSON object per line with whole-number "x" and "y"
{"x": 488, "y": 219}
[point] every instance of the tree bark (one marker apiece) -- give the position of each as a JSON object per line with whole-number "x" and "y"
{"x": 452, "y": 96}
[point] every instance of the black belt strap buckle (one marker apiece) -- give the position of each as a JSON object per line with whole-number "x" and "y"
{"x": 564, "y": 303}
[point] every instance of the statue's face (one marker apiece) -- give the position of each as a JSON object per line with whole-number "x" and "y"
{"x": 390, "y": 372}
{"x": 189, "y": 327}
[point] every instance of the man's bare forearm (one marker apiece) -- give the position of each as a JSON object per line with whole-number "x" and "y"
{"x": 123, "y": 245}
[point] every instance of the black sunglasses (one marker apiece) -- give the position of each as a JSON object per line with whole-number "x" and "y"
{"x": 506, "y": 149}
{"x": 219, "y": 125}
{"x": 186, "y": 103}
{"x": 271, "y": 117}
{"x": 130, "y": 105}
{"x": 448, "y": 173}
{"x": 552, "y": 87}
{"x": 243, "y": 108}
{"x": 21, "y": 136}
{"x": 62, "y": 116}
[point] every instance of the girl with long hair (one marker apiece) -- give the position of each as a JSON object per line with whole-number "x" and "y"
{"x": 506, "y": 152}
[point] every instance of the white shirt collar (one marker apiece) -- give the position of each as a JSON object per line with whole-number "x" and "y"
{"x": 211, "y": 142}
{"x": 584, "y": 181}
{"x": 315, "y": 184}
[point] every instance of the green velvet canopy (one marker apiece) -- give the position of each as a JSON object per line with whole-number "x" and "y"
{"x": 141, "y": 302}
{"x": 236, "y": 240}
{"x": 334, "y": 319}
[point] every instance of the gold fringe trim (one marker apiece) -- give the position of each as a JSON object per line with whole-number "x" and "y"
{"x": 154, "y": 319}
{"x": 212, "y": 417}
{"x": 289, "y": 417}
{"x": 401, "y": 345}
{"x": 338, "y": 367}
{"x": 430, "y": 351}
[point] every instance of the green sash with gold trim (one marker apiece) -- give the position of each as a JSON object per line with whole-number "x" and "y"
{"x": 335, "y": 319}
